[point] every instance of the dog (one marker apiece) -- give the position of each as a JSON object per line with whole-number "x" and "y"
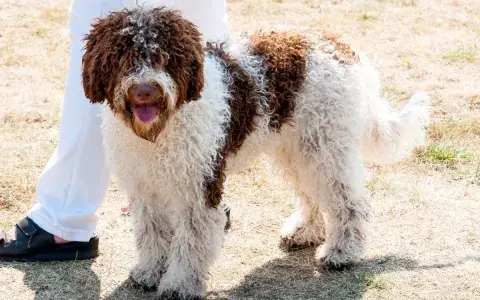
{"x": 179, "y": 117}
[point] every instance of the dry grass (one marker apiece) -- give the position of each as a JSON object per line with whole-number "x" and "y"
{"x": 454, "y": 128}
{"x": 425, "y": 241}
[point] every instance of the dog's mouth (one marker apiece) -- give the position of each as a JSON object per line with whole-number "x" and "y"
{"x": 146, "y": 112}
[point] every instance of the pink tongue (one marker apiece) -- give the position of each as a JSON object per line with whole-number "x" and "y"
{"x": 146, "y": 112}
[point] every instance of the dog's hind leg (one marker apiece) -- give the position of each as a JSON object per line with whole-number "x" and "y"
{"x": 333, "y": 174}
{"x": 348, "y": 211}
{"x": 305, "y": 226}
{"x": 325, "y": 137}
{"x": 153, "y": 236}
{"x": 197, "y": 241}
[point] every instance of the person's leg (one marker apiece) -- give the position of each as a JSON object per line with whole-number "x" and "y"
{"x": 209, "y": 15}
{"x": 73, "y": 184}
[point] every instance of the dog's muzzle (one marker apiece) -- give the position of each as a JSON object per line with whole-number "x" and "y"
{"x": 144, "y": 104}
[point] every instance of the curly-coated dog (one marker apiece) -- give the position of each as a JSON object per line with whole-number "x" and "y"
{"x": 181, "y": 117}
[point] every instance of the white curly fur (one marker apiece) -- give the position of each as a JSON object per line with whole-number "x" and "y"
{"x": 338, "y": 114}
{"x": 389, "y": 136}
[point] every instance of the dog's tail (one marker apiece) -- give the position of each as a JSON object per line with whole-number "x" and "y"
{"x": 389, "y": 136}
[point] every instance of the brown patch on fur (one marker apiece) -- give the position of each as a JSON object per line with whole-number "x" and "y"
{"x": 243, "y": 109}
{"x": 124, "y": 42}
{"x": 285, "y": 57}
{"x": 340, "y": 51}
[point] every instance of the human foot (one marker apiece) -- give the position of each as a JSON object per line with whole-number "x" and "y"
{"x": 28, "y": 242}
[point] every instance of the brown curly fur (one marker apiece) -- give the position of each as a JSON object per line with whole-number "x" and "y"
{"x": 124, "y": 41}
{"x": 242, "y": 108}
{"x": 286, "y": 63}
{"x": 284, "y": 56}
{"x": 343, "y": 53}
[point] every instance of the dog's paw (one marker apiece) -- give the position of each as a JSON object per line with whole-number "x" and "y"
{"x": 147, "y": 280}
{"x": 138, "y": 285}
{"x": 294, "y": 237}
{"x": 291, "y": 243}
{"x": 175, "y": 295}
{"x": 334, "y": 258}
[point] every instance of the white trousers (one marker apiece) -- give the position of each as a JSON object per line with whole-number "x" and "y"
{"x": 73, "y": 184}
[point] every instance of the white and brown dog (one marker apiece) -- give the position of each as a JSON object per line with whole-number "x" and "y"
{"x": 181, "y": 117}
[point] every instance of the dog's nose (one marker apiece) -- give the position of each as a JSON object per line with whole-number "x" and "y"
{"x": 144, "y": 93}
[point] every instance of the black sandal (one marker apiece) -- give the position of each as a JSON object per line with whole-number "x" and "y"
{"x": 32, "y": 243}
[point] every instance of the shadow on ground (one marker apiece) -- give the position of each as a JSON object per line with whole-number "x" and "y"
{"x": 126, "y": 292}
{"x": 59, "y": 280}
{"x": 296, "y": 277}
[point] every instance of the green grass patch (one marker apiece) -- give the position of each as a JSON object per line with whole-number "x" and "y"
{"x": 373, "y": 282}
{"x": 444, "y": 153}
{"x": 372, "y": 185}
{"x": 400, "y": 2}
{"x": 409, "y": 2}
{"x": 41, "y": 32}
{"x": 476, "y": 175}
{"x": 463, "y": 54}
{"x": 474, "y": 101}
{"x": 258, "y": 181}
{"x": 367, "y": 17}
{"x": 408, "y": 64}
{"x": 394, "y": 92}
{"x": 312, "y": 3}
{"x": 378, "y": 185}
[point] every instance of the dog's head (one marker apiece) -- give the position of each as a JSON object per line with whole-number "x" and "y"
{"x": 146, "y": 64}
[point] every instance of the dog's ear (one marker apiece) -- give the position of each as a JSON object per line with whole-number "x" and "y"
{"x": 107, "y": 56}
{"x": 182, "y": 43}
{"x": 92, "y": 80}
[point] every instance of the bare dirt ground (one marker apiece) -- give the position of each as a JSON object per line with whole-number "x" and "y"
{"x": 425, "y": 240}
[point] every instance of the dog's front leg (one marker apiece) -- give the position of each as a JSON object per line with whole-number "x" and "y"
{"x": 198, "y": 237}
{"x": 153, "y": 235}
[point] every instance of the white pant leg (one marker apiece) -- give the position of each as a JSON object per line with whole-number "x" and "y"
{"x": 73, "y": 184}
{"x": 209, "y": 15}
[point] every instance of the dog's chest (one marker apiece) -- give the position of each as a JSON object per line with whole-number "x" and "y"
{"x": 183, "y": 152}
